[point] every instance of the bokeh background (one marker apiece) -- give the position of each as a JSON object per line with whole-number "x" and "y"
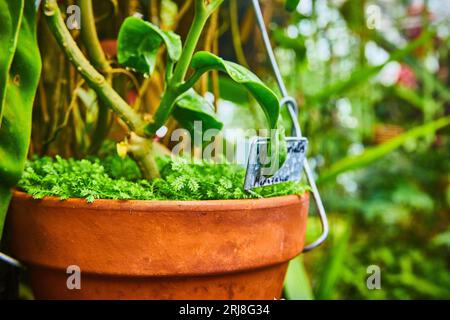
{"x": 372, "y": 81}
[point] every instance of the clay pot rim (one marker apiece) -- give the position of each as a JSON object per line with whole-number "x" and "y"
{"x": 240, "y": 214}
{"x": 166, "y": 205}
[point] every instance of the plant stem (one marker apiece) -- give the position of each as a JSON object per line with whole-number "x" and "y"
{"x": 90, "y": 38}
{"x": 236, "y": 34}
{"x": 199, "y": 22}
{"x": 93, "y": 78}
{"x": 99, "y": 61}
{"x": 173, "y": 90}
{"x": 141, "y": 148}
{"x": 164, "y": 110}
{"x": 193, "y": 79}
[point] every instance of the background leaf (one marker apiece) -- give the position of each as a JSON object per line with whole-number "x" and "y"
{"x": 375, "y": 153}
{"x": 334, "y": 265}
{"x": 365, "y": 73}
{"x": 297, "y": 285}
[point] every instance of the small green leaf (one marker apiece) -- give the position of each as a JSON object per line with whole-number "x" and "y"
{"x": 193, "y": 107}
{"x": 139, "y": 42}
{"x": 205, "y": 61}
{"x": 291, "y": 5}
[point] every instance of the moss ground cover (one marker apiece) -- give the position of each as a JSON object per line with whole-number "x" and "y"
{"x": 114, "y": 178}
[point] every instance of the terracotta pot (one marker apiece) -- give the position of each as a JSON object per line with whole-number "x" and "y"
{"x": 235, "y": 249}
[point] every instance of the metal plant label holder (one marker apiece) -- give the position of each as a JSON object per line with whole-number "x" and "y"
{"x": 291, "y": 170}
{"x": 296, "y": 160}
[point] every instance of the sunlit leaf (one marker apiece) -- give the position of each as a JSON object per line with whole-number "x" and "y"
{"x": 375, "y": 153}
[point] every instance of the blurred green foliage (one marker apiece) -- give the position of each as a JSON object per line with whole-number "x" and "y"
{"x": 372, "y": 79}
{"x": 377, "y": 118}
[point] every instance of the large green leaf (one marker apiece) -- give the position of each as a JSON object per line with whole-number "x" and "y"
{"x": 375, "y": 153}
{"x": 204, "y": 61}
{"x": 18, "y": 89}
{"x": 231, "y": 91}
{"x": 191, "y": 107}
{"x": 10, "y": 16}
{"x": 139, "y": 42}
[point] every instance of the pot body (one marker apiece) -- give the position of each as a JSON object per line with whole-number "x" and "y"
{"x": 233, "y": 249}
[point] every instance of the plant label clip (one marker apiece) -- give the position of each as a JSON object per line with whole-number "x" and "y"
{"x": 296, "y": 161}
{"x": 291, "y": 170}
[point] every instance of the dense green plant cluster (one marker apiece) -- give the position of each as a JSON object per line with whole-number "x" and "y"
{"x": 114, "y": 178}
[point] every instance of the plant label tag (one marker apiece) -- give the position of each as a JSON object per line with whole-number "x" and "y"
{"x": 290, "y": 171}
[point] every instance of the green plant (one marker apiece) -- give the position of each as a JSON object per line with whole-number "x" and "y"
{"x": 139, "y": 49}
{"x": 118, "y": 179}
{"x": 138, "y": 45}
{"x": 20, "y": 67}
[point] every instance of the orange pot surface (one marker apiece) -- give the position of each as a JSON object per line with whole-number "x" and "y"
{"x": 233, "y": 249}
